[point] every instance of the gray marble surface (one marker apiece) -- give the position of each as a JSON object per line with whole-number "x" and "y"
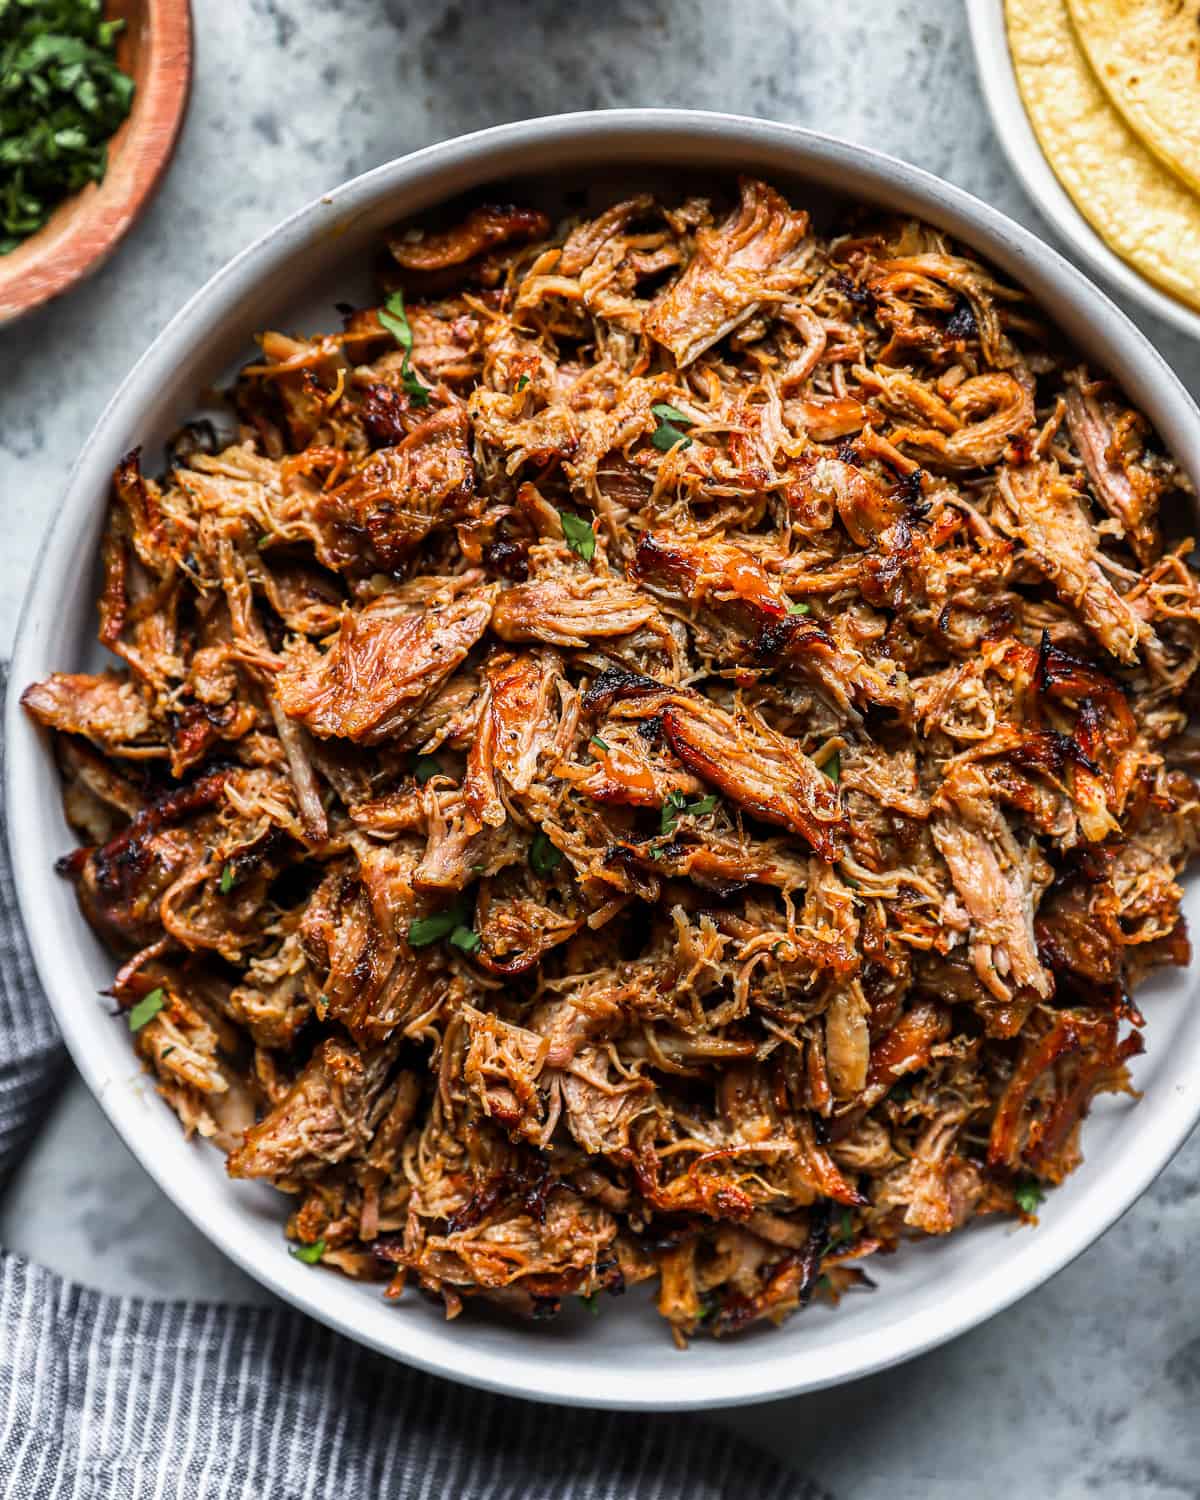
{"x": 1089, "y": 1387}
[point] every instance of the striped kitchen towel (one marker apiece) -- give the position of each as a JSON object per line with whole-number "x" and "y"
{"x": 115, "y": 1398}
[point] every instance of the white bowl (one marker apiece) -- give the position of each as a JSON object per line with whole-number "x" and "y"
{"x": 624, "y": 1358}
{"x": 993, "y": 61}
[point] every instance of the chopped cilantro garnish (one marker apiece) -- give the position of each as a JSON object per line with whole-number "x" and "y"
{"x": 579, "y": 535}
{"x": 62, "y": 96}
{"x": 394, "y": 318}
{"x": 426, "y": 766}
{"x": 147, "y": 1008}
{"x": 543, "y": 856}
{"x": 309, "y": 1254}
{"x": 675, "y": 804}
{"x": 799, "y": 609}
{"x": 670, "y": 413}
{"x": 833, "y": 766}
{"x": 1028, "y": 1193}
{"x": 671, "y": 809}
{"x": 226, "y": 881}
{"x": 667, "y": 433}
{"x": 598, "y": 742}
{"x": 464, "y": 938}
{"x": 523, "y": 382}
{"x": 438, "y": 925}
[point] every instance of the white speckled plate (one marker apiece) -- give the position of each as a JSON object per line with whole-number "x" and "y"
{"x": 624, "y": 1358}
{"x": 1003, "y": 95}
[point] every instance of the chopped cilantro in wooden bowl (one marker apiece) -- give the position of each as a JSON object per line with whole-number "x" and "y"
{"x": 92, "y": 97}
{"x": 62, "y": 96}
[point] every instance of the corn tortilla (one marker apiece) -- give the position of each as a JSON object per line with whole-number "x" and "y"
{"x": 1133, "y": 202}
{"x": 1146, "y": 54}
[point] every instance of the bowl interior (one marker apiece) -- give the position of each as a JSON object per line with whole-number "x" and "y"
{"x": 154, "y": 48}
{"x": 623, "y": 1357}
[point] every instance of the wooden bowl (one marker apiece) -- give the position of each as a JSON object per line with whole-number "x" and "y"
{"x": 155, "y": 47}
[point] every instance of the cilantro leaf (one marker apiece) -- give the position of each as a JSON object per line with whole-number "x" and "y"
{"x": 226, "y": 881}
{"x": 543, "y": 855}
{"x": 667, "y": 413}
{"x": 309, "y": 1254}
{"x": 667, "y": 433}
{"x": 147, "y": 1008}
{"x": 676, "y": 804}
{"x": 440, "y": 924}
{"x": 799, "y": 609}
{"x": 464, "y": 938}
{"x": 579, "y": 535}
{"x": 833, "y": 767}
{"x": 671, "y": 809}
{"x": 426, "y": 767}
{"x": 1029, "y": 1195}
{"x": 394, "y": 318}
{"x": 665, "y": 437}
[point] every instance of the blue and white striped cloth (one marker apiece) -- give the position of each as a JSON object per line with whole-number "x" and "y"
{"x": 115, "y": 1398}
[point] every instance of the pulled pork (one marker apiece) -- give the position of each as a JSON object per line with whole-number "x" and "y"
{"x": 662, "y": 760}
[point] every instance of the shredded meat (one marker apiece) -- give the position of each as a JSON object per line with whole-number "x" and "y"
{"x": 732, "y": 270}
{"x": 675, "y": 776}
{"x": 385, "y": 662}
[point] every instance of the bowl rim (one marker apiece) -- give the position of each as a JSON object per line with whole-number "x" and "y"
{"x": 1002, "y": 94}
{"x": 646, "y": 135}
{"x": 45, "y": 265}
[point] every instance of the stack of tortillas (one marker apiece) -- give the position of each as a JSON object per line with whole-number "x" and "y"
{"x": 1112, "y": 88}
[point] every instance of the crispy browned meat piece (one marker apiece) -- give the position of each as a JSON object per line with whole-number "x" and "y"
{"x": 400, "y": 495}
{"x": 481, "y": 230}
{"x": 1110, "y": 439}
{"x": 384, "y": 663}
{"x": 677, "y": 775}
{"x": 761, "y": 770}
{"x": 754, "y": 256}
{"x": 569, "y": 611}
{"x": 105, "y": 708}
{"x": 329, "y": 1113}
{"x": 1062, "y": 542}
